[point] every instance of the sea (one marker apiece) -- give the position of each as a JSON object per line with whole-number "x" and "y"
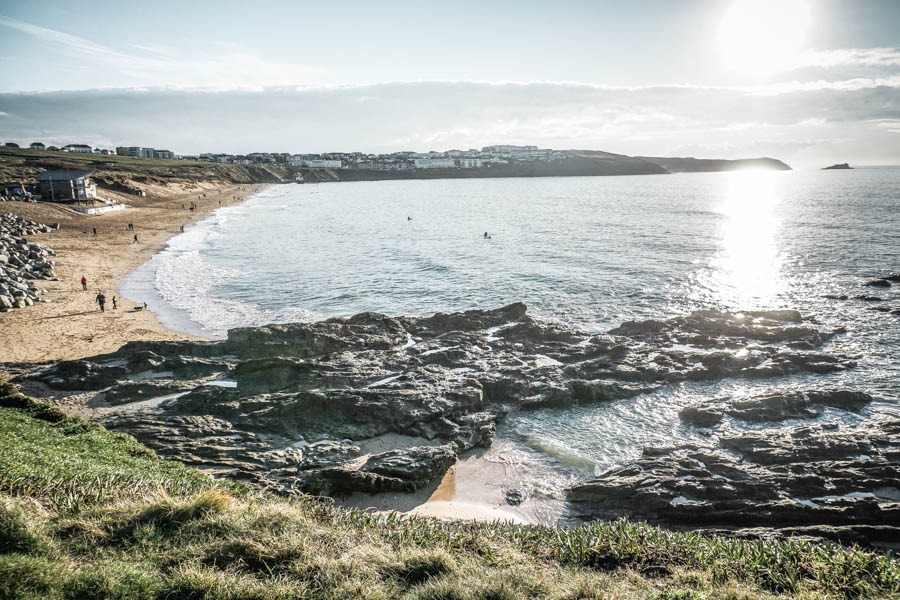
{"x": 588, "y": 252}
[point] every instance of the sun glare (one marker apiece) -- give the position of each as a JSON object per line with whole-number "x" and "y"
{"x": 760, "y": 37}
{"x": 748, "y": 265}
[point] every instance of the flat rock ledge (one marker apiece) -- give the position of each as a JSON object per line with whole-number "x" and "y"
{"x": 830, "y": 481}
{"x": 374, "y": 403}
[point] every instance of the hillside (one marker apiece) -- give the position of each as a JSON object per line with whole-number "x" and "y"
{"x": 708, "y": 165}
{"x": 131, "y": 175}
{"x": 86, "y": 513}
{"x": 123, "y": 173}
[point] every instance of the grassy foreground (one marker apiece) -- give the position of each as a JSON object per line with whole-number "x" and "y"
{"x": 87, "y": 513}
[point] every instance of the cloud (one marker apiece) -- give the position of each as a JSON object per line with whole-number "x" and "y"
{"x": 847, "y": 57}
{"x": 70, "y": 42}
{"x": 230, "y": 67}
{"x": 728, "y": 122}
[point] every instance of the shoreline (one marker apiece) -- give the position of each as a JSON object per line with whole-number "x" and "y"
{"x": 69, "y": 324}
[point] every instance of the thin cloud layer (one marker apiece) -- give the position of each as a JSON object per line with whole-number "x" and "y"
{"x": 801, "y": 125}
{"x": 229, "y": 67}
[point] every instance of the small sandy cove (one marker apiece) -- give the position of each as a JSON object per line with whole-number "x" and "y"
{"x": 70, "y": 325}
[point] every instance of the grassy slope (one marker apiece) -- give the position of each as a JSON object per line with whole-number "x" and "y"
{"x": 24, "y": 165}
{"x": 86, "y": 513}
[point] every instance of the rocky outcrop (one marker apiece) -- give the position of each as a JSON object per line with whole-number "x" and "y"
{"x": 774, "y": 407}
{"x": 375, "y": 403}
{"x": 837, "y": 167}
{"x": 833, "y": 481}
{"x": 710, "y": 165}
{"x": 21, "y": 262}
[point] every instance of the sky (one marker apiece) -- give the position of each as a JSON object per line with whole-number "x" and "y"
{"x": 812, "y": 82}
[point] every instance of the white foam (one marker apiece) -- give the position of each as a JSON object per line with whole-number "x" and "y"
{"x": 546, "y": 361}
{"x": 385, "y": 380}
{"x": 682, "y": 501}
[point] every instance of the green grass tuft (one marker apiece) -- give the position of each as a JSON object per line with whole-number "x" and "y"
{"x": 24, "y": 577}
{"x": 16, "y": 532}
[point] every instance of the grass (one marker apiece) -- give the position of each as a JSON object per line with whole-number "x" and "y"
{"x": 19, "y": 164}
{"x": 86, "y": 513}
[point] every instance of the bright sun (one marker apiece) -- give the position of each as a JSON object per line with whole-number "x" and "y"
{"x": 760, "y": 37}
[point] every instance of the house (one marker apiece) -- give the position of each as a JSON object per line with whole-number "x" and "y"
{"x": 434, "y": 163}
{"x": 37, "y": 146}
{"x": 136, "y": 151}
{"x": 66, "y": 186}
{"x": 78, "y": 148}
{"x": 470, "y": 163}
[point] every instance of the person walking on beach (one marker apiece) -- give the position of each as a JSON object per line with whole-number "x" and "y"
{"x": 84, "y": 283}
{"x": 101, "y": 300}
{"x": 95, "y": 231}
{"x": 135, "y": 239}
{"x": 114, "y": 303}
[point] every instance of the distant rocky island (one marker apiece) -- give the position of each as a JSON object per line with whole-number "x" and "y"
{"x": 837, "y": 167}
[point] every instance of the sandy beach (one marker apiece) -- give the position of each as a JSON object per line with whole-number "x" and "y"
{"x": 69, "y": 324}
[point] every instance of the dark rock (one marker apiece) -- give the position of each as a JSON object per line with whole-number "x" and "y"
{"x": 810, "y": 478}
{"x": 267, "y": 404}
{"x": 883, "y": 283}
{"x": 81, "y": 375}
{"x": 514, "y": 497}
{"x": 775, "y": 407}
{"x": 417, "y": 465}
{"x": 866, "y": 298}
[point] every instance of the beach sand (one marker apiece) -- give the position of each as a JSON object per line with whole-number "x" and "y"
{"x": 69, "y": 324}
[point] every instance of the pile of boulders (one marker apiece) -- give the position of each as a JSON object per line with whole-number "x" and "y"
{"x": 22, "y": 261}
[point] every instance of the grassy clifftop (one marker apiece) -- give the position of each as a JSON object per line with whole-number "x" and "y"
{"x": 19, "y": 164}
{"x": 87, "y": 513}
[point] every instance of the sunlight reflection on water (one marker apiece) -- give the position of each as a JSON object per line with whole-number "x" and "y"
{"x": 746, "y": 270}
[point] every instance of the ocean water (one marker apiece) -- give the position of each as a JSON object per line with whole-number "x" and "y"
{"x": 590, "y": 252}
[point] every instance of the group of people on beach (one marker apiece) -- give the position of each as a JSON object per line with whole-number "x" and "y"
{"x": 101, "y": 298}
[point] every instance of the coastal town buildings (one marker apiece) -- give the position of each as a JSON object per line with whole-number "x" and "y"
{"x": 473, "y": 158}
{"x": 138, "y": 152}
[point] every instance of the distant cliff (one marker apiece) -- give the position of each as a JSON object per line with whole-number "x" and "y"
{"x": 838, "y": 166}
{"x": 128, "y": 174}
{"x": 705, "y": 165}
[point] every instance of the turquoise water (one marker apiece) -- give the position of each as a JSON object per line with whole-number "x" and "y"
{"x": 589, "y": 252}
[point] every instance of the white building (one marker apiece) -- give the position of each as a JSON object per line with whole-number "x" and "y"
{"x": 434, "y": 163}
{"x": 470, "y": 163}
{"x": 78, "y": 148}
{"x": 320, "y": 163}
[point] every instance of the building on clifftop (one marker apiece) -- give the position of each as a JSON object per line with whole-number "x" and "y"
{"x": 67, "y": 186}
